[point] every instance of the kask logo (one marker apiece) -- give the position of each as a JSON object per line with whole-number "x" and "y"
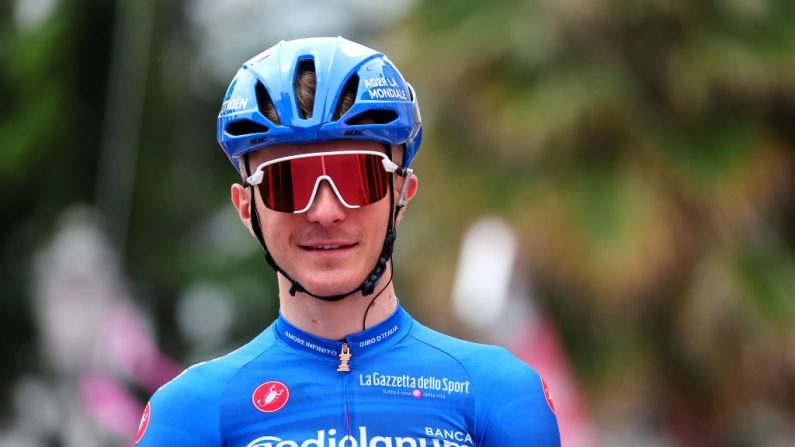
{"x": 270, "y": 396}
{"x": 144, "y": 423}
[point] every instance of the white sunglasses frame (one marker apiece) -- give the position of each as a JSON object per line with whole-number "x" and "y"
{"x": 389, "y": 166}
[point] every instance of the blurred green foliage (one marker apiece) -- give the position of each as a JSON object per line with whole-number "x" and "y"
{"x": 54, "y": 83}
{"x": 645, "y": 152}
{"x": 52, "y": 88}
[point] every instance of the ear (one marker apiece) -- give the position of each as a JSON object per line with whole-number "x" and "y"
{"x": 241, "y": 199}
{"x": 414, "y": 183}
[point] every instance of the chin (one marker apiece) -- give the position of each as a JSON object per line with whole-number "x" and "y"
{"x": 331, "y": 287}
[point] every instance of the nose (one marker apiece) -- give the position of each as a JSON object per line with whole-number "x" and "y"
{"x": 326, "y": 209}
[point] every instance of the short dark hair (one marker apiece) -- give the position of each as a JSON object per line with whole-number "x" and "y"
{"x": 305, "y": 85}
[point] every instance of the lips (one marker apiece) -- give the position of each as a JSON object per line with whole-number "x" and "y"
{"x": 327, "y": 246}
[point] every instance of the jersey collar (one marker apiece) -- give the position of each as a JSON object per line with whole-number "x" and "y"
{"x": 376, "y": 338}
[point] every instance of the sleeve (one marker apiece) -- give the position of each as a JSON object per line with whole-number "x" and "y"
{"x": 182, "y": 412}
{"x": 513, "y": 407}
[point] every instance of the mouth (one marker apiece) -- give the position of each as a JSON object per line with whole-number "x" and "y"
{"x": 327, "y": 247}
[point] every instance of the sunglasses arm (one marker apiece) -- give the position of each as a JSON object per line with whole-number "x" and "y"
{"x": 254, "y": 179}
{"x": 406, "y": 174}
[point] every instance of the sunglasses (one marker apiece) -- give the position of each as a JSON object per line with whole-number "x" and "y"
{"x": 290, "y": 184}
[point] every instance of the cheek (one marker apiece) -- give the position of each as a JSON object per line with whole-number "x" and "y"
{"x": 276, "y": 227}
{"x": 376, "y": 220}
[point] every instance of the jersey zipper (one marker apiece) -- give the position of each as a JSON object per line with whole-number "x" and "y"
{"x": 345, "y": 367}
{"x": 345, "y": 357}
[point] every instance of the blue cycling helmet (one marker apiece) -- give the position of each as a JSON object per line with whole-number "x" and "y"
{"x": 385, "y": 107}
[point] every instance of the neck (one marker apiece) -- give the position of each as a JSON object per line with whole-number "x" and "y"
{"x": 336, "y": 319}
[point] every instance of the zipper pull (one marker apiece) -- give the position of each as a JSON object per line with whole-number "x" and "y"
{"x": 345, "y": 357}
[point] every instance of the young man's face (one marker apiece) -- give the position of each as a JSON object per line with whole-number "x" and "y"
{"x": 329, "y": 249}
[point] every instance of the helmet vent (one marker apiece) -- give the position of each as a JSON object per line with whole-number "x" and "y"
{"x": 347, "y": 97}
{"x": 244, "y": 127}
{"x": 305, "y": 85}
{"x": 377, "y": 116}
{"x": 265, "y": 104}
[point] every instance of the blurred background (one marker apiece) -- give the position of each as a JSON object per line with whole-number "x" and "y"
{"x": 607, "y": 188}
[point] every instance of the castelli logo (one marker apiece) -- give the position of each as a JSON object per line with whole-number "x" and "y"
{"x": 142, "y": 426}
{"x": 270, "y": 396}
{"x": 546, "y": 394}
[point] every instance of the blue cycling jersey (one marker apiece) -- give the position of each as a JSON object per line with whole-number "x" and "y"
{"x": 396, "y": 384}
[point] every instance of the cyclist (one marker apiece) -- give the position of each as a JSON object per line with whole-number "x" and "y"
{"x": 324, "y": 131}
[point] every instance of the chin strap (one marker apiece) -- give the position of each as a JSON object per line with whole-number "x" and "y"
{"x": 368, "y": 286}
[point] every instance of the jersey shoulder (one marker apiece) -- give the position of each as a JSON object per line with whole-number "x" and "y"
{"x": 511, "y": 402}
{"x": 186, "y": 409}
{"x": 477, "y": 359}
